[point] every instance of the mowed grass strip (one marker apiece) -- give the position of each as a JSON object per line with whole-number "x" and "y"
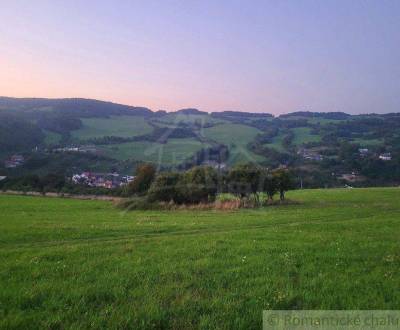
{"x": 84, "y": 264}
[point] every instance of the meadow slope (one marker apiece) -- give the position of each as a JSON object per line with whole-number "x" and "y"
{"x": 75, "y": 264}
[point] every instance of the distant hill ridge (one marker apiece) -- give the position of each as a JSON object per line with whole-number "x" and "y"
{"x": 91, "y": 107}
{"x": 74, "y": 106}
{"x": 83, "y": 107}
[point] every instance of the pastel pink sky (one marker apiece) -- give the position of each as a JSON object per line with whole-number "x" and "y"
{"x": 259, "y": 56}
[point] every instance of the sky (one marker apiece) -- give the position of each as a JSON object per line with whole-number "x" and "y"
{"x": 257, "y": 56}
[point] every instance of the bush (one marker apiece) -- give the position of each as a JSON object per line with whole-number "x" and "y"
{"x": 145, "y": 175}
{"x": 199, "y": 185}
{"x": 166, "y": 188}
{"x": 284, "y": 182}
{"x": 243, "y": 180}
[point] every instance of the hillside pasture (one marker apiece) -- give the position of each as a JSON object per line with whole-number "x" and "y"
{"x": 122, "y": 126}
{"x": 236, "y": 137}
{"x": 178, "y": 118}
{"x": 173, "y": 152}
{"x": 363, "y": 142}
{"x": 277, "y": 142}
{"x": 51, "y": 138}
{"x": 303, "y": 135}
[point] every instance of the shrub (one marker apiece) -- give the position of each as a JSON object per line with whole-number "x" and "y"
{"x": 166, "y": 187}
{"x": 270, "y": 185}
{"x": 199, "y": 185}
{"x": 284, "y": 182}
{"x": 145, "y": 175}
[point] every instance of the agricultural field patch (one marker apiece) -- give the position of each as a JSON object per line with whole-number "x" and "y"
{"x": 171, "y": 153}
{"x": 236, "y": 137}
{"x": 303, "y": 135}
{"x": 122, "y": 126}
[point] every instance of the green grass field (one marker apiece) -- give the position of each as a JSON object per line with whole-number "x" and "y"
{"x": 277, "y": 142}
{"x": 51, "y": 137}
{"x": 303, "y": 135}
{"x": 368, "y": 142}
{"x": 173, "y": 152}
{"x": 177, "y": 118}
{"x": 123, "y": 126}
{"x": 72, "y": 264}
{"x": 236, "y": 137}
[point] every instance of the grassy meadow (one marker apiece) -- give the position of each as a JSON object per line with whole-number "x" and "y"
{"x": 173, "y": 152}
{"x": 236, "y": 137}
{"x": 122, "y": 126}
{"x": 51, "y": 137}
{"x": 303, "y": 135}
{"x": 74, "y": 264}
{"x": 179, "y": 118}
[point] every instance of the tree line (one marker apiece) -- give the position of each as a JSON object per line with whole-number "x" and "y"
{"x": 201, "y": 184}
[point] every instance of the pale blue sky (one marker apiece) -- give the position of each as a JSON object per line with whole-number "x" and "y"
{"x": 261, "y": 56}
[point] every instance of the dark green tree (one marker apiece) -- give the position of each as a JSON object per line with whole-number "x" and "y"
{"x": 145, "y": 175}
{"x": 166, "y": 187}
{"x": 200, "y": 184}
{"x": 284, "y": 182}
{"x": 270, "y": 184}
{"x": 244, "y": 180}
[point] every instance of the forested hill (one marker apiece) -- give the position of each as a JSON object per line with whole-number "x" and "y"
{"x": 323, "y": 149}
{"x": 71, "y": 106}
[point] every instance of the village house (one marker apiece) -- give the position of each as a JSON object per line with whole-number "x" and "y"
{"x": 14, "y": 161}
{"x": 363, "y": 152}
{"x": 385, "y": 157}
{"x": 101, "y": 180}
{"x": 81, "y": 149}
{"x": 310, "y": 155}
{"x": 214, "y": 164}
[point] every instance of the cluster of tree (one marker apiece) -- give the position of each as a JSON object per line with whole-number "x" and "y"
{"x": 274, "y": 158}
{"x": 162, "y": 134}
{"x": 202, "y": 183}
{"x": 247, "y": 179}
{"x": 216, "y": 154}
{"x": 239, "y": 114}
{"x": 287, "y": 141}
{"x": 50, "y": 182}
{"x": 69, "y": 163}
{"x": 365, "y": 127}
{"x": 326, "y": 115}
{"x": 18, "y": 134}
{"x": 77, "y": 107}
{"x": 291, "y": 123}
{"x": 53, "y": 183}
{"x": 268, "y": 135}
{"x": 59, "y": 123}
{"x": 191, "y": 111}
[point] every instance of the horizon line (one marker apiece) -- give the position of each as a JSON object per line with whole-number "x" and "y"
{"x": 186, "y": 108}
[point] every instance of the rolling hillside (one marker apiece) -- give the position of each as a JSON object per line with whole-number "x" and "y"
{"x": 320, "y": 147}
